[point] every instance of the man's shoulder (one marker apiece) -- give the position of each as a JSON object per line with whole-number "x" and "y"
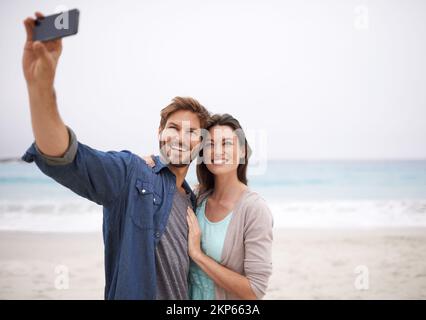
{"x": 140, "y": 163}
{"x": 156, "y": 170}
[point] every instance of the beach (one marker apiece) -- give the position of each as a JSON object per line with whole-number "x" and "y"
{"x": 322, "y": 264}
{"x": 307, "y": 264}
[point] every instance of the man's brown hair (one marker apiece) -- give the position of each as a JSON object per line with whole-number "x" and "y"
{"x": 185, "y": 103}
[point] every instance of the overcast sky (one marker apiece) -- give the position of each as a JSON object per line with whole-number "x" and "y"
{"x": 320, "y": 79}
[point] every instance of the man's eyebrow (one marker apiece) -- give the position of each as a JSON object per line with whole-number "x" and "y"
{"x": 171, "y": 123}
{"x": 193, "y": 128}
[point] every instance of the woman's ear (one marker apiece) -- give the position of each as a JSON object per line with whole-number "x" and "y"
{"x": 241, "y": 159}
{"x": 242, "y": 152}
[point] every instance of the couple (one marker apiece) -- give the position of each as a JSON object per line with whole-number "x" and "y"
{"x": 156, "y": 246}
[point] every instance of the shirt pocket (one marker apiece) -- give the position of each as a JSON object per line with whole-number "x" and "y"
{"x": 147, "y": 204}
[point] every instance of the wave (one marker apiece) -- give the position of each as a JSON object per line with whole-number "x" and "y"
{"x": 50, "y": 216}
{"x": 81, "y": 215}
{"x": 349, "y": 214}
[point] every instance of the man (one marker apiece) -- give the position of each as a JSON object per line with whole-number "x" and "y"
{"x": 144, "y": 221}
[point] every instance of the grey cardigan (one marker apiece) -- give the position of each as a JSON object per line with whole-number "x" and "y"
{"x": 248, "y": 243}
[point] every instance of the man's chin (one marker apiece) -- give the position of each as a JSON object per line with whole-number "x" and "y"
{"x": 179, "y": 165}
{"x": 179, "y": 160}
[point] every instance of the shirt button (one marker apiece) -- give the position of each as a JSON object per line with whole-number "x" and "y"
{"x": 157, "y": 234}
{"x": 143, "y": 190}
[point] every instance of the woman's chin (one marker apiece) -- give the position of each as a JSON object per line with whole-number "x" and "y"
{"x": 218, "y": 169}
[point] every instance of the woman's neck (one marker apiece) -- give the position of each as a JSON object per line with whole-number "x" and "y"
{"x": 227, "y": 186}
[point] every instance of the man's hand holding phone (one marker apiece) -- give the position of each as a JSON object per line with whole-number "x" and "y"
{"x": 40, "y": 58}
{"x": 39, "y": 62}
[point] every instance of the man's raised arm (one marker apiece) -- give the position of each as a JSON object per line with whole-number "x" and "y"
{"x": 96, "y": 175}
{"x": 39, "y": 63}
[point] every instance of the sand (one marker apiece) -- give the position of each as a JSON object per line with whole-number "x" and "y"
{"x": 308, "y": 264}
{"x": 323, "y": 264}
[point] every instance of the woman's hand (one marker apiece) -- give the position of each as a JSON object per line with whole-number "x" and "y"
{"x": 149, "y": 160}
{"x": 194, "y": 235}
{"x": 225, "y": 278}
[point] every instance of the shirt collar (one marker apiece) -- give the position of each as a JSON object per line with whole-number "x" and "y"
{"x": 160, "y": 165}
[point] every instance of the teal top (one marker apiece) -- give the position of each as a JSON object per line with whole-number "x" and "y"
{"x": 201, "y": 286}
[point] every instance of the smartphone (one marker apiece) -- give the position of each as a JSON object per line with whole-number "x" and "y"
{"x": 56, "y": 26}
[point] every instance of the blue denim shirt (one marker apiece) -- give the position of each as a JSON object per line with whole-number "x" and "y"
{"x": 136, "y": 201}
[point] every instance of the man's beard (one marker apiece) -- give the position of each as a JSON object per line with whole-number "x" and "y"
{"x": 179, "y": 165}
{"x": 182, "y": 162}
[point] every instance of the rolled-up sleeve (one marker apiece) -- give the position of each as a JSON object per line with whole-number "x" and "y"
{"x": 96, "y": 175}
{"x": 258, "y": 237}
{"x": 69, "y": 155}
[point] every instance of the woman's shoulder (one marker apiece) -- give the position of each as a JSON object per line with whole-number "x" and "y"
{"x": 253, "y": 199}
{"x": 255, "y": 206}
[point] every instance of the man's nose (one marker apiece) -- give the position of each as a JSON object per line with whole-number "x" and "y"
{"x": 184, "y": 137}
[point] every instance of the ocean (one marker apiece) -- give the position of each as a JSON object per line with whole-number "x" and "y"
{"x": 300, "y": 194}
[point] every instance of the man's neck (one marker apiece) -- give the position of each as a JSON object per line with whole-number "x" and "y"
{"x": 180, "y": 173}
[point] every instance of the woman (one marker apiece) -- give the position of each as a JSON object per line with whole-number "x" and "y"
{"x": 230, "y": 237}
